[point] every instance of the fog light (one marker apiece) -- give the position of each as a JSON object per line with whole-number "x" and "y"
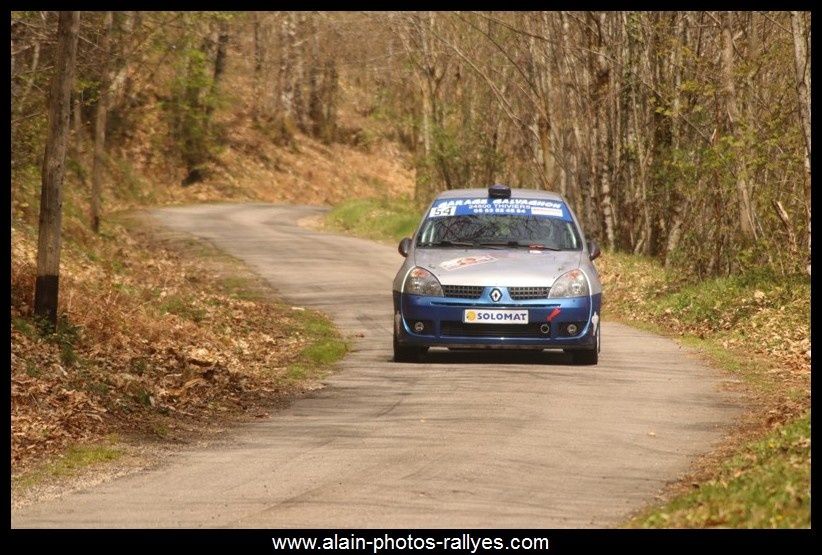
{"x": 544, "y": 329}
{"x": 418, "y": 327}
{"x": 572, "y": 329}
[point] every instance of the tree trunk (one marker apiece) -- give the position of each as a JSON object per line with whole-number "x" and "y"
{"x": 330, "y": 82}
{"x": 428, "y": 88}
{"x": 125, "y": 56}
{"x": 605, "y": 182}
{"x": 299, "y": 75}
{"x": 542, "y": 135}
{"x": 677, "y": 198}
{"x": 100, "y": 125}
{"x": 286, "y": 95}
{"x": 219, "y": 58}
{"x": 79, "y": 127}
{"x": 601, "y": 81}
{"x": 51, "y": 201}
{"x": 35, "y": 60}
{"x": 315, "y": 108}
{"x": 746, "y": 225}
{"x": 802, "y": 62}
{"x": 803, "y": 81}
{"x": 285, "y": 104}
{"x": 259, "y": 60}
{"x": 577, "y": 147}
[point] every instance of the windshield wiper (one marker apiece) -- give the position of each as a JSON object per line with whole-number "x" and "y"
{"x": 518, "y": 244}
{"x": 497, "y": 244}
{"x": 538, "y": 246}
{"x": 447, "y": 243}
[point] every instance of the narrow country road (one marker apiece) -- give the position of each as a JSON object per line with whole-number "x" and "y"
{"x": 490, "y": 440}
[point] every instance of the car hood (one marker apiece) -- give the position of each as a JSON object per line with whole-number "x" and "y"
{"x": 502, "y": 267}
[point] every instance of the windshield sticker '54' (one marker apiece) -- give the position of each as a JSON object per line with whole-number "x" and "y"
{"x": 438, "y": 211}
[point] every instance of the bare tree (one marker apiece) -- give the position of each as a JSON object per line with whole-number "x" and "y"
{"x": 98, "y": 162}
{"x": 219, "y": 59}
{"x": 261, "y": 38}
{"x": 285, "y": 91}
{"x": 666, "y": 131}
{"x": 802, "y": 58}
{"x": 746, "y": 224}
{"x": 51, "y": 196}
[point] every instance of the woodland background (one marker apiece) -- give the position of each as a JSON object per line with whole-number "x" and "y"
{"x": 681, "y": 139}
{"x": 680, "y": 135}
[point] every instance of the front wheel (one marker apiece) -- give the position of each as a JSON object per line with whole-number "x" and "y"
{"x": 407, "y": 353}
{"x": 587, "y": 356}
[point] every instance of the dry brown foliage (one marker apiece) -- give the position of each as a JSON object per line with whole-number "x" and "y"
{"x": 152, "y": 342}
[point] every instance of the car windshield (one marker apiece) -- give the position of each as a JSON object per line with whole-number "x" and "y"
{"x": 499, "y": 230}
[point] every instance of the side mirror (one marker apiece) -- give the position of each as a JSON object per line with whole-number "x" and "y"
{"x": 593, "y": 250}
{"x": 405, "y": 246}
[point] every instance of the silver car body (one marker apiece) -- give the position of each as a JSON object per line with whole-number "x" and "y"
{"x": 509, "y": 271}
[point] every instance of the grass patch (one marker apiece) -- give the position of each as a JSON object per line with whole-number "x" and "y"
{"x": 65, "y": 336}
{"x": 32, "y": 370}
{"x": 755, "y": 326}
{"x": 325, "y": 351}
{"x": 240, "y": 288}
{"x": 176, "y": 304}
{"x": 728, "y": 304}
{"x": 747, "y": 367}
{"x": 324, "y": 347}
{"x": 766, "y": 485}
{"x": 373, "y": 218}
{"x": 132, "y": 185}
{"x": 160, "y": 429}
{"x": 24, "y": 326}
{"x": 71, "y": 462}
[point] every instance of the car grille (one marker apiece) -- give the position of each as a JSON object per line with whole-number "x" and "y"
{"x": 459, "y": 329}
{"x": 526, "y": 293}
{"x": 462, "y": 291}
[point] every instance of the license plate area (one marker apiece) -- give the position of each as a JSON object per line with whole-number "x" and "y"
{"x": 494, "y": 316}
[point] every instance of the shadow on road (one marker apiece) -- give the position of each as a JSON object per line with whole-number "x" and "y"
{"x": 499, "y": 356}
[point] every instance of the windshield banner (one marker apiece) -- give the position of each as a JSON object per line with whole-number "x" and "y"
{"x": 502, "y": 206}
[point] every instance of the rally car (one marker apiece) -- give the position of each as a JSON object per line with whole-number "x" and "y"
{"x": 498, "y": 268}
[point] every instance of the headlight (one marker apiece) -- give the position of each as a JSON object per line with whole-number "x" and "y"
{"x": 570, "y": 284}
{"x": 422, "y": 282}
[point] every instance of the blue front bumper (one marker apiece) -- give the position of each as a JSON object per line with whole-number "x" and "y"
{"x": 442, "y": 321}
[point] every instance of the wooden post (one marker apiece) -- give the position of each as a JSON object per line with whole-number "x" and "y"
{"x": 51, "y": 201}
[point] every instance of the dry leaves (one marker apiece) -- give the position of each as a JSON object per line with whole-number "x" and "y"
{"x": 769, "y": 324}
{"x": 145, "y": 343}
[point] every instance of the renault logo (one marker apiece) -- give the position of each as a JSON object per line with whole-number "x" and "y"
{"x": 496, "y": 295}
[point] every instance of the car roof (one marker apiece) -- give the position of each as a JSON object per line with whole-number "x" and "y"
{"x": 515, "y": 193}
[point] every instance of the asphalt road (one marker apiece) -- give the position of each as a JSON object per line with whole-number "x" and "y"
{"x": 490, "y": 440}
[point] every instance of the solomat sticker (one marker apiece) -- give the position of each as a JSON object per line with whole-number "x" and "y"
{"x": 464, "y": 261}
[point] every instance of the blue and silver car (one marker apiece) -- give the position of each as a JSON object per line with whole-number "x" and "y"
{"x": 498, "y": 268}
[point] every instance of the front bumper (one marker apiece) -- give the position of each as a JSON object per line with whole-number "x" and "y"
{"x": 441, "y": 319}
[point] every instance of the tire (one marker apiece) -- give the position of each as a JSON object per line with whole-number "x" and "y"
{"x": 587, "y": 357}
{"x": 407, "y": 353}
